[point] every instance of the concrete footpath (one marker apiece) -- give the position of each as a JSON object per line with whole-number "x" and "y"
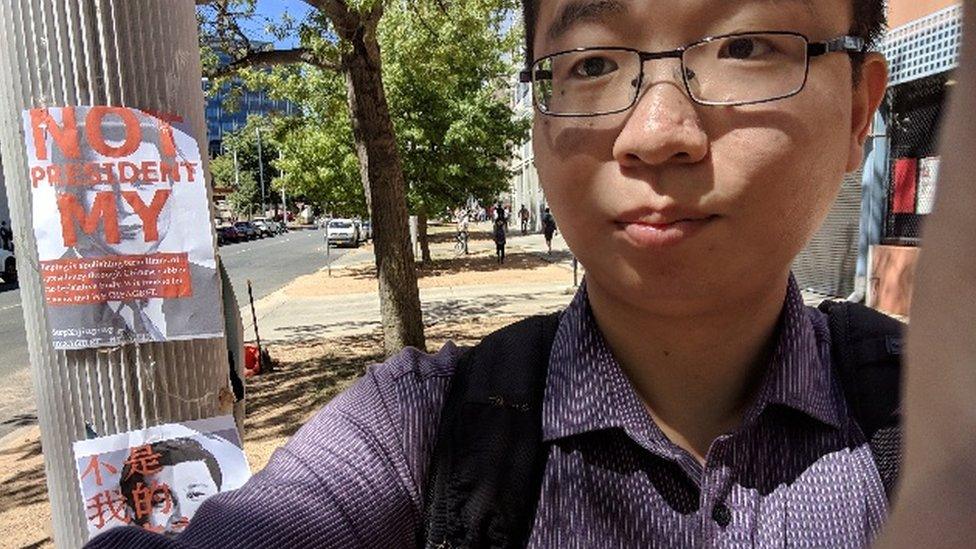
{"x": 295, "y": 315}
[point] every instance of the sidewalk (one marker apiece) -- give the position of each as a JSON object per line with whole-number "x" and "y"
{"x": 454, "y": 287}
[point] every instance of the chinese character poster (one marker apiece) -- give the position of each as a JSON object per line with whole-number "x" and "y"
{"x": 123, "y": 226}
{"x": 158, "y": 477}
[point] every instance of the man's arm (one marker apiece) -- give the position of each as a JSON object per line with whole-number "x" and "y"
{"x": 349, "y": 478}
{"x": 936, "y": 501}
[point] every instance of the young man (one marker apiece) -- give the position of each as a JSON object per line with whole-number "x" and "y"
{"x": 690, "y": 398}
{"x": 548, "y": 228}
{"x": 165, "y": 497}
{"x": 6, "y": 236}
{"x": 498, "y": 233}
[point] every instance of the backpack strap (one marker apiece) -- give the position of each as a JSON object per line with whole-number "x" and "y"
{"x": 487, "y": 465}
{"x": 866, "y": 346}
{"x": 488, "y": 460}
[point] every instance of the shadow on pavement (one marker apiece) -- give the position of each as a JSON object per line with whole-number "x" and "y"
{"x": 437, "y": 315}
{"x": 306, "y": 377}
{"x": 30, "y": 486}
{"x": 449, "y": 236}
{"x": 17, "y": 421}
{"x": 8, "y": 286}
{"x": 482, "y": 263}
{"x": 475, "y": 262}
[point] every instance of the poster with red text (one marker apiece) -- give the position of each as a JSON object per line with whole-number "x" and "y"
{"x": 123, "y": 226}
{"x": 157, "y": 478}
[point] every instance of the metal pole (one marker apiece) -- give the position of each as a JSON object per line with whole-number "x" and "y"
{"x": 284, "y": 203}
{"x": 137, "y": 53}
{"x": 264, "y": 205}
{"x": 328, "y": 247}
{"x": 264, "y": 364}
{"x": 237, "y": 170}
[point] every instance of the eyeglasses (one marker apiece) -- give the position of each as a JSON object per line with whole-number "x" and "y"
{"x": 727, "y": 70}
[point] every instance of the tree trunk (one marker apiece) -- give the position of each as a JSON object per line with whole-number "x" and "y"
{"x": 422, "y": 234}
{"x": 382, "y": 179}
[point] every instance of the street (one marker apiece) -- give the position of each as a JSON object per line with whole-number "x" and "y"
{"x": 269, "y": 263}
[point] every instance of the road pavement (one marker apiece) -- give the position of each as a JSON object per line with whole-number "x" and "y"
{"x": 270, "y": 264}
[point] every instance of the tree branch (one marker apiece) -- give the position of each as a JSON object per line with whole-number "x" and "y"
{"x": 269, "y": 58}
{"x": 345, "y": 21}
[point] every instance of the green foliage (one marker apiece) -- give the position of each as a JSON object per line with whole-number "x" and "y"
{"x": 446, "y": 72}
{"x": 320, "y": 163}
{"x": 446, "y": 69}
{"x": 246, "y": 195}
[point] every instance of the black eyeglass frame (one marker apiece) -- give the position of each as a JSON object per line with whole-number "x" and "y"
{"x": 847, "y": 44}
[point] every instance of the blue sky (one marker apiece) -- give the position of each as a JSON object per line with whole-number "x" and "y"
{"x": 272, "y": 9}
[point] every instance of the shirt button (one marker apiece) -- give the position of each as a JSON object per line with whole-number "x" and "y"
{"x": 721, "y": 514}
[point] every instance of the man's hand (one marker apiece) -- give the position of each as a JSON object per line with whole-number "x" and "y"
{"x": 936, "y": 501}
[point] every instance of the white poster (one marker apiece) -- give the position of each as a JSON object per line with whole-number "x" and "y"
{"x": 156, "y": 478}
{"x": 123, "y": 226}
{"x": 928, "y": 175}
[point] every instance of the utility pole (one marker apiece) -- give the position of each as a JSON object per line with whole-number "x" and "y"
{"x": 264, "y": 204}
{"x": 141, "y": 54}
{"x": 284, "y": 203}
{"x": 237, "y": 170}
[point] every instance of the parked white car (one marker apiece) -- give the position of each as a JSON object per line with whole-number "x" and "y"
{"x": 342, "y": 232}
{"x": 9, "y": 264}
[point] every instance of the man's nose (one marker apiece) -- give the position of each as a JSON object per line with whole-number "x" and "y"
{"x": 664, "y": 125}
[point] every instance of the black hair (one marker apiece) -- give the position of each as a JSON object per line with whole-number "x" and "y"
{"x": 868, "y": 23}
{"x": 170, "y": 452}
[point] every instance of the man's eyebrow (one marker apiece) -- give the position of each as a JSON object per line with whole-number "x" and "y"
{"x": 578, "y": 11}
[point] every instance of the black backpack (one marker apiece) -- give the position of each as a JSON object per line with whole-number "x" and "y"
{"x": 488, "y": 462}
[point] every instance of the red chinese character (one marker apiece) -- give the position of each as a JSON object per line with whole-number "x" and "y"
{"x": 93, "y": 467}
{"x": 144, "y": 498}
{"x": 142, "y": 460}
{"x": 109, "y": 501}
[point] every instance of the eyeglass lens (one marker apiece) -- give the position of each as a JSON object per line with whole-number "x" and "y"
{"x": 731, "y": 70}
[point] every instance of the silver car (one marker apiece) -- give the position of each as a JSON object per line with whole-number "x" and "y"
{"x": 342, "y": 232}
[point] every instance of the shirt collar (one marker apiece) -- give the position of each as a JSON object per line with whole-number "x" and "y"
{"x": 800, "y": 372}
{"x": 586, "y": 390}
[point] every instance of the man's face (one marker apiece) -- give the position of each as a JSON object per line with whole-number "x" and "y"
{"x": 189, "y": 485}
{"x": 759, "y": 179}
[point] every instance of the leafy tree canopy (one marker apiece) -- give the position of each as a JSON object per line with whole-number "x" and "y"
{"x": 446, "y": 67}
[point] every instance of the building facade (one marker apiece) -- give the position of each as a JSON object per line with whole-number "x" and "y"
{"x": 221, "y": 119}
{"x": 524, "y": 189}
{"x": 922, "y": 48}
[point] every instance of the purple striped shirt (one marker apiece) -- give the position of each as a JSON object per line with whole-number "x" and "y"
{"x": 795, "y": 473}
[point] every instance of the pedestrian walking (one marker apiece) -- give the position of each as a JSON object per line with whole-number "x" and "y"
{"x": 463, "y": 216}
{"x": 548, "y": 228}
{"x": 501, "y": 214}
{"x": 500, "y": 240}
{"x": 524, "y": 218}
{"x": 6, "y": 236}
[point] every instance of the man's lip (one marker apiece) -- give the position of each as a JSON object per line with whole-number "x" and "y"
{"x": 661, "y": 218}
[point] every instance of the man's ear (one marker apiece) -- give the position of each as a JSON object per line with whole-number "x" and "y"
{"x": 867, "y": 96}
